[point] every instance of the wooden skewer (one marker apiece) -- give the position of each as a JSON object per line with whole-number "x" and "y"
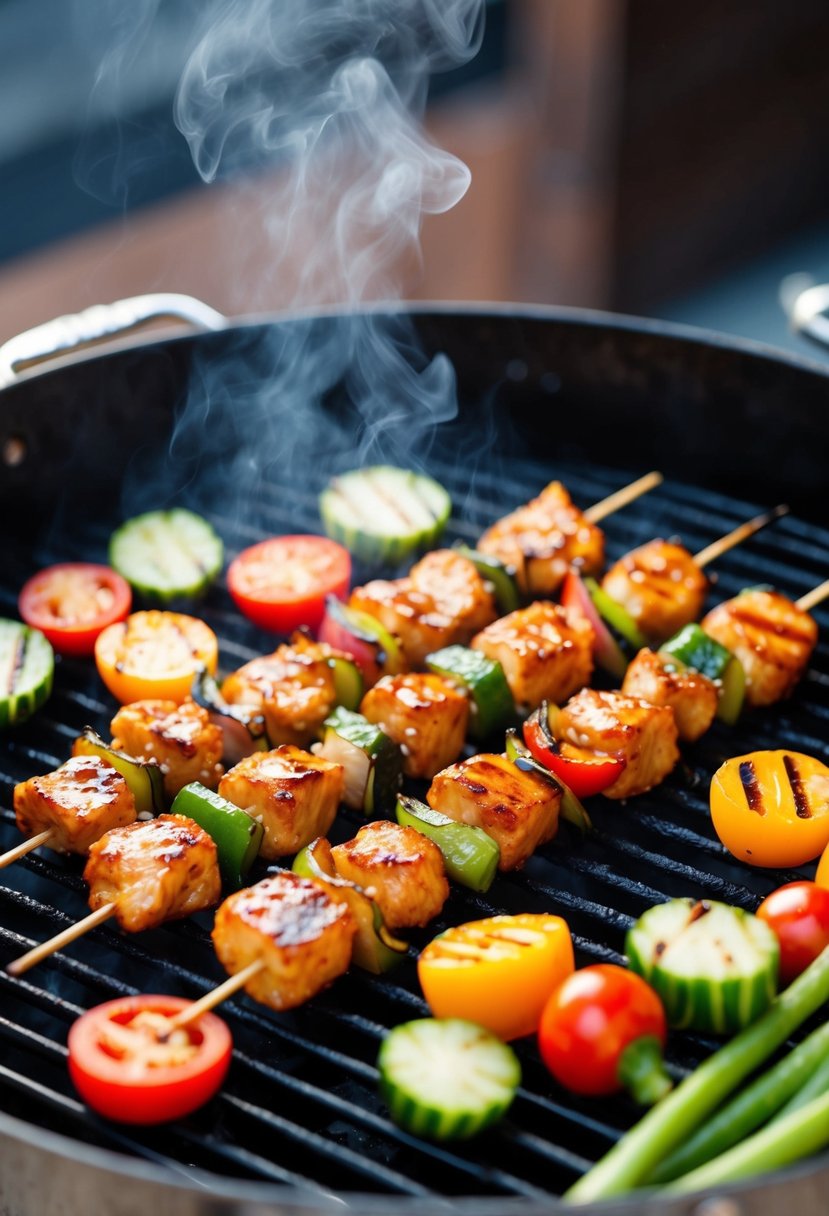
{"x": 215, "y": 997}
{"x": 814, "y": 597}
{"x": 738, "y": 535}
{"x": 39, "y": 953}
{"x": 27, "y": 846}
{"x": 621, "y": 498}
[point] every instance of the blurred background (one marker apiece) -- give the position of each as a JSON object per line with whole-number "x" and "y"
{"x": 659, "y": 159}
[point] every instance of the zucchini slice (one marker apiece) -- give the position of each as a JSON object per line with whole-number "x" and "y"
{"x": 693, "y": 647}
{"x": 27, "y": 668}
{"x": 167, "y": 555}
{"x": 144, "y": 777}
{"x": 491, "y": 701}
{"x": 471, "y": 856}
{"x": 382, "y": 513}
{"x": 446, "y": 1078}
{"x": 500, "y": 576}
{"x": 373, "y": 763}
{"x": 713, "y": 966}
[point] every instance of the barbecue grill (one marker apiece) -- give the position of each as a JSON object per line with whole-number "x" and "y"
{"x": 594, "y": 400}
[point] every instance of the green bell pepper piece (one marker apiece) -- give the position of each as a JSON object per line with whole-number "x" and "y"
{"x": 238, "y": 837}
{"x": 471, "y": 856}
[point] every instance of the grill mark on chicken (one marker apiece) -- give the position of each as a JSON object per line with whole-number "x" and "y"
{"x": 748, "y": 780}
{"x": 801, "y": 802}
{"x": 790, "y": 631}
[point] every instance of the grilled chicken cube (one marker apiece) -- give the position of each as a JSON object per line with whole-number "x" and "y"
{"x": 543, "y": 539}
{"x": 546, "y": 652}
{"x": 294, "y": 688}
{"x": 772, "y": 638}
{"x": 293, "y": 794}
{"x": 612, "y": 723}
{"x": 290, "y": 924}
{"x": 424, "y": 714}
{"x": 399, "y": 868}
{"x": 441, "y": 602}
{"x": 181, "y": 738}
{"x": 518, "y": 809}
{"x": 153, "y": 871}
{"x": 660, "y": 585}
{"x": 660, "y": 680}
{"x": 77, "y": 803}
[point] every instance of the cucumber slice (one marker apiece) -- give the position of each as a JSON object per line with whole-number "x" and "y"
{"x": 491, "y": 700}
{"x": 501, "y": 576}
{"x": 27, "y": 668}
{"x": 446, "y": 1078}
{"x": 144, "y": 777}
{"x": 471, "y": 856}
{"x": 373, "y": 763}
{"x": 713, "y": 966}
{"x": 382, "y": 513}
{"x": 165, "y": 555}
{"x": 348, "y": 682}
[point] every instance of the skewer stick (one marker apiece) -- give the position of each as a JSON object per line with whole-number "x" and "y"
{"x": 215, "y": 997}
{"x": 39, "y": 953}
{"x": 621, "y": 498}
{"x": 27, "y": 846}
{"x": 711, "y": 552}
{"x": 814, "y": 597}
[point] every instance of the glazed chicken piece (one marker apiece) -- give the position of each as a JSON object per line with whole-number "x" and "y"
{"x": 611, "y": 723}
{"x": 153, "y": 871}
{"x": 441, "y": 602}
{"x": 660, "y": 585}
{"x": 293, "y": 794}
{"x": 656, "y": 678}
{"x": 399, "y": 868}
{"x": 181, "y": 738}
{"x": 424, "y": 714}
{"x": 77, "y": 803}
{"x": 546, "y": 652}
{"x": 301, "y": 936}
{"x": 543, "y": 539}
{"x": 772, "y": 638}
{"x": 518, "y": 809}
{"x": 294, "y": 687}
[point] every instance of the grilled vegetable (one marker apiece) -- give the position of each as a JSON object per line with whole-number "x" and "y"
{"x": 714, "y": 967}
{"x": 606, "y": 650}
{"x": 242, "y": 726}
{"x": 373, "y": 764}
{"x": 282, "y": 583}
{"x": 500, "y": 576}
{"x": 375, "y": 651}
{"x": 615, "y": 616}
{"x": 571, "y": 808}
{"x": 693, "y": 647}
{"x": 165, "y": 555}
{"x": 446, "y": 1079}
{"x": 154, "y": 654}
{"x": 583, "y": 773}
{"x": 633, "y": 1159}
{"x": 127, "y": 1066}
{"x": 469, "y": 854}
{"x": 237, "y": 836}
{"x": 491, "y": 700}
{"x": 497, "y": 972}
{"x": 798, "y": 916}
{"x": 602, "y": 1030}
{"x": 771, "y": 808}
{"x": 375, "y": 948}
{"x": 382, "y": 513}
{"x": 70, "y": 604}
{"x": 27, "y": 667}
{"x": 144, "y": 777}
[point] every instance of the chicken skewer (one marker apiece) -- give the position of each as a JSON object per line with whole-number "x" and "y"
{"x": 143, "y": 874}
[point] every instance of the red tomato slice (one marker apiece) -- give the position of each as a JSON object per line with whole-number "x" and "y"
{"x": 583, "y": 773}
{"x": 282, "y": 583}
{"x": 798, "y": 915}
{"x": 123, "y": 1069}
{"x": 72, "y": 603}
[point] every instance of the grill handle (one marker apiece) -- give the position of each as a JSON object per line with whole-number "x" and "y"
{"x": 98, "y": 324}
{"x": 808, "y": 309}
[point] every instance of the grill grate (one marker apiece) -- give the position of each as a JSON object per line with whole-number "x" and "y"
{"x": 300, "y": 1106}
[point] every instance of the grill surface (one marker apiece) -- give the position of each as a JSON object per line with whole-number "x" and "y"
{"x": 300, "y": 1106}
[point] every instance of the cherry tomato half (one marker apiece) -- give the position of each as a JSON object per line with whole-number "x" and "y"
{"x": 155, "y": 654}
{"x": 583, "y": 772}
{"x": 72, "y": 603}
{"x": 590, "y": 1020}
{"x": 497, "y": 972}
{"x": 771, "y": 808}
{"x": 122, "y": 1067}
{"x": 798, "y": 915}
{"x": 282, "y": 583}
